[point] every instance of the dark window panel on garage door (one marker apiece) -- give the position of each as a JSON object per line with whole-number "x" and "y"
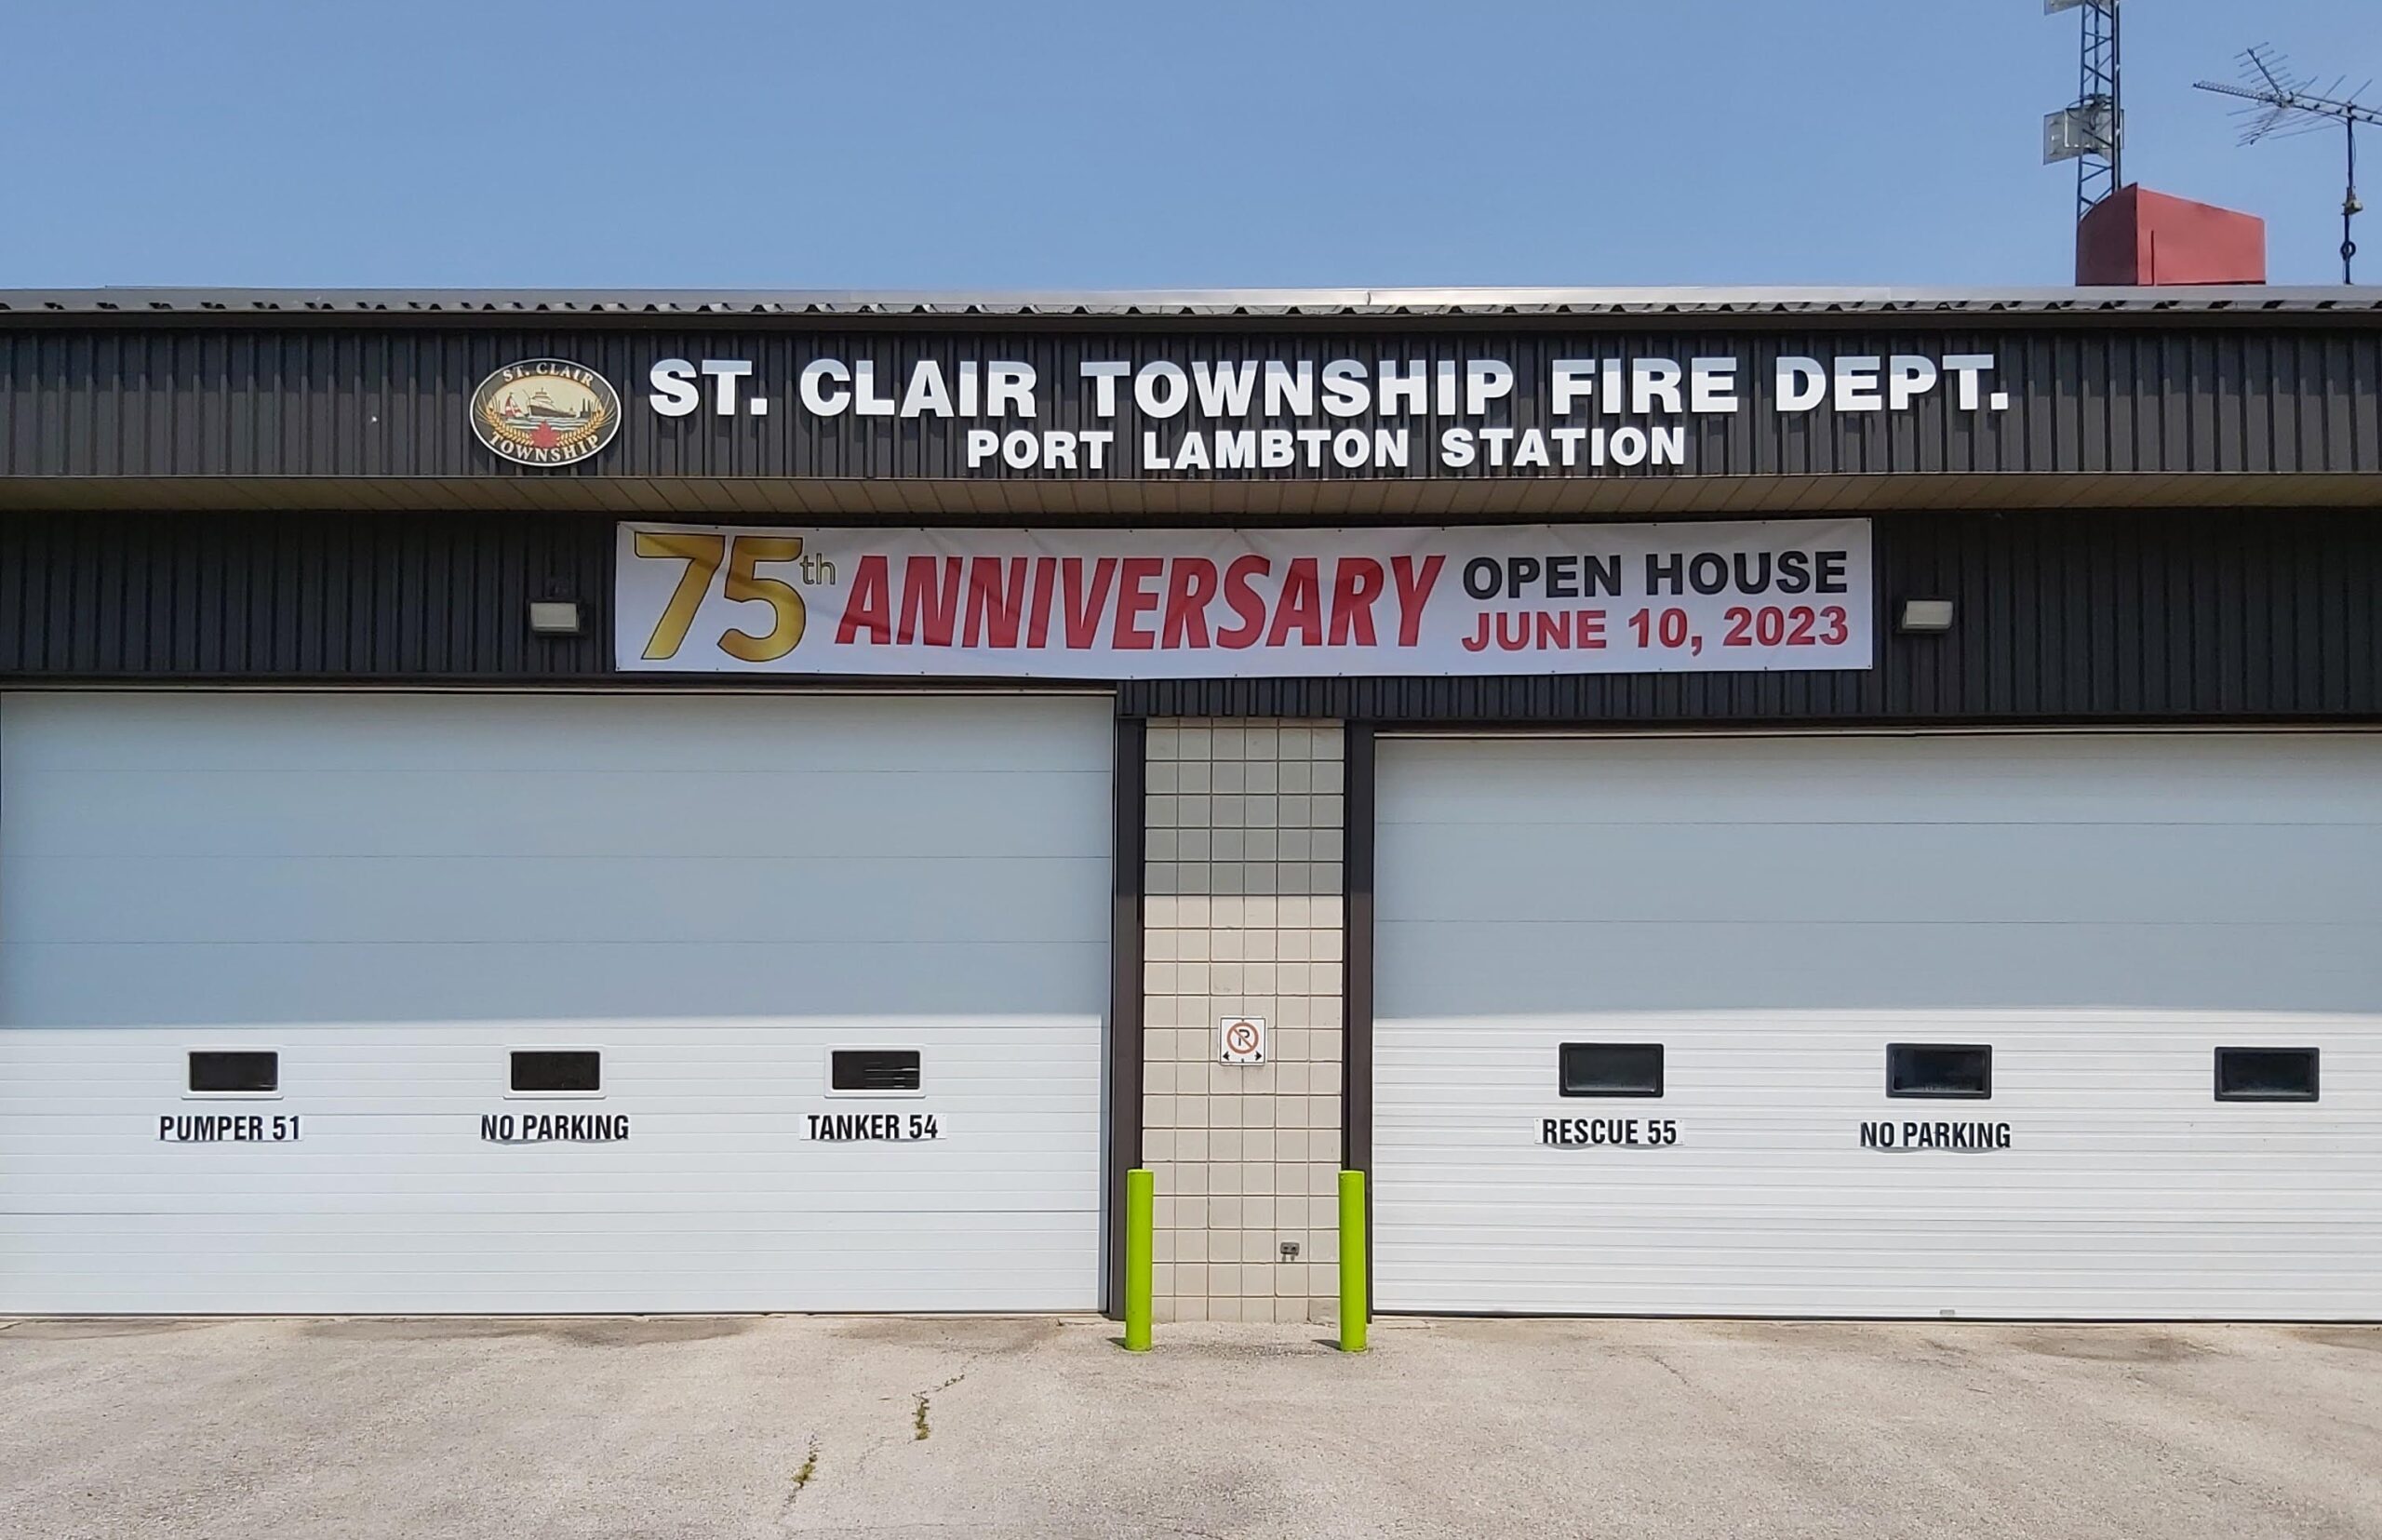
{"x": 552, "y": 1070}
{"x": 1611, "y": 1070}
{"x": 2266, "y": 1075}
{"x": 873, "y": 1069}
{"x": 1958, "y": 1071}
{"x": 223, "y": 1071}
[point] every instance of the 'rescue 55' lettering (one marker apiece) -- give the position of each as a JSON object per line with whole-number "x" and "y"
{"x": 1596, "y": 1133}
{"x": 1185, "y": 604}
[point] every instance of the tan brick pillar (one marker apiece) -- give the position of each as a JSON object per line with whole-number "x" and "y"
{"x": 1243, "y": 918}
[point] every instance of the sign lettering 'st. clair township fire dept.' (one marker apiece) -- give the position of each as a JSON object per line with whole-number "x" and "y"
{"x": 1321, "y": 415}
{"x": 1600, "y": 599}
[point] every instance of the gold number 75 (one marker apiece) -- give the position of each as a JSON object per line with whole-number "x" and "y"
{"x": 703, "y": 554}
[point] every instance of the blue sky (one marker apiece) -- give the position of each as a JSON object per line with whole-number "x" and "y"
{"x": 1037, "y": 145}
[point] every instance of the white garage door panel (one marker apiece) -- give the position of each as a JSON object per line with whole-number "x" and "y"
{"x": 394, "y": 891}
{"x": 396, "y": 984}
{"x": 1775, "y": 911}
{"x": 559, "y": 810}
{"x": 1631, "y": 967}
{"x": 707, "y": 734}
{"x": 1809, "y": 873}
{"x": 2086, "y": 779}
{"x": 294, "y": 902}
{"x": 378, "y": 1266}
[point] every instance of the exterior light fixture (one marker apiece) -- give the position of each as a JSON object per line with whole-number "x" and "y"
{"x": 553, "y": 618}
{"x": 1924, "y": 617}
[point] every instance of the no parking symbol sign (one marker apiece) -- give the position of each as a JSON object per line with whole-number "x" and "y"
{"x": 1241, "y": 1039}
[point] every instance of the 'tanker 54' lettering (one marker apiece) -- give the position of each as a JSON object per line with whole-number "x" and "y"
{"x": 874, "y": 1125}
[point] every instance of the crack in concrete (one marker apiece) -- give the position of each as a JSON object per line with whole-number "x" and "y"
{"x": 921, "y": 1399}
{"x": 1671, "y": 1368}
{"x": 804, "y": 1474}
{"x": 919, "y": 1405}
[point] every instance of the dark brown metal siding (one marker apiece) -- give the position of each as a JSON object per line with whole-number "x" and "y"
{"x": 2305, "y": 397}
{"x": 2247, "y": 614}
{"x": 372, "y": 596}
{"x": 2231, "y": 615}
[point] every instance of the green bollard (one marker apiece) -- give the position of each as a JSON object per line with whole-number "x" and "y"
{"x": 1141, "y": 1208}
{"x": 1352, "y": 1261}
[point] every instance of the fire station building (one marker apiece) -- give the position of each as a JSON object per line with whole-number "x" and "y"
{"x": 1766, "y": 803}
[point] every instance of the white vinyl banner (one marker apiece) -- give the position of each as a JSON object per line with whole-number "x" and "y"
{"x": 1164, "y": 604}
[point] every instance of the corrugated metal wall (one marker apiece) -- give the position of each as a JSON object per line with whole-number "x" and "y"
{"x": 2060, "y": 615}
{"x": 2280, "y": 398}
{"x": 2240, "y": 614}
{"x": 300, "y": 595}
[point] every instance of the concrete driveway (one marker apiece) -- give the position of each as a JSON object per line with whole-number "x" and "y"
{"x": 1009, "y": 1427}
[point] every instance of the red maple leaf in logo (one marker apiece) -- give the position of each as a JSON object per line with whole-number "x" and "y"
{"x": 543, "y": 436}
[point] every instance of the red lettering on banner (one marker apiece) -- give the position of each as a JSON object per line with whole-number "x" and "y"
{"x": 993, "y": 605}
{"x": 1134, "y": 599}
{"x": 1300, "y": 606}
{"x": 1240, "y": 593}
{"x": 1355, "y": 587}
{"x": 1537, "y": 630}
{"x": 1188, "y": 588}
{"x": 1413, "y": 592}
{"x": 1046, "y": 585}
{"x": 870, "y": 605}
{"x": 1083, "y": 611}
{"x": 924, "y": 579}
{"x": 1063, "y": 603}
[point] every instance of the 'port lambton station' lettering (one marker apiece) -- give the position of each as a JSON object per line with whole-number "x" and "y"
{"x": 1294, "y": 416}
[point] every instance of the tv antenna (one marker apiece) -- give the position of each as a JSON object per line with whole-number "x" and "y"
{"x": 2283, "y": 105}
{"x": 2091, "y": 133}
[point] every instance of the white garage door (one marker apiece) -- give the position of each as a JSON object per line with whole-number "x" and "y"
{"x": 715, "y": 896}
{"x": 2053, "y": 938}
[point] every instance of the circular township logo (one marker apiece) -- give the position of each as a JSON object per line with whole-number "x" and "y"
{"x": 545, "y": 413}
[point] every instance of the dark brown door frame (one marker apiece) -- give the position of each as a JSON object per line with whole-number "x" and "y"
{"x": 1126, "y": 847}
{"x": 1357, "y": 950}
{"x": 1357, "y": 970}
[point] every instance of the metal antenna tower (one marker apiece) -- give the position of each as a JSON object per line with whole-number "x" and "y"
{"x": 2283, "y": 105}
{"x": 2091, "y": 133}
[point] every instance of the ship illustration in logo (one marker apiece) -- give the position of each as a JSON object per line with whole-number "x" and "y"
{"x": 545, "y": 413}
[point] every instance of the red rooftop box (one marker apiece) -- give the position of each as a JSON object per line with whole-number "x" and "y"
{"x": 2138, "y": 236}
